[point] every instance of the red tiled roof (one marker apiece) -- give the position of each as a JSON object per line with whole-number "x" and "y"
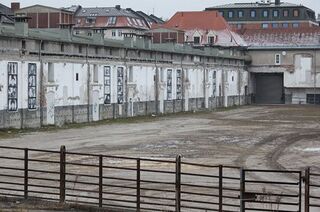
{"x": 204, "y": 20}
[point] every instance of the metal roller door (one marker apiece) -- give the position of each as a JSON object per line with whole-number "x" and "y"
{"x": 269, "y": 88}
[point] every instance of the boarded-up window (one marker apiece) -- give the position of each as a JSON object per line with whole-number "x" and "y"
{"x": 50, "y": 72}
{"x": 107, "y": 85}
{"x": 120, "y": 76}
{"x": 179, "y": 84}
{"x": 32, "y": 86}
{"x": 95, "y": 74}
{"x": 12, "y": 86}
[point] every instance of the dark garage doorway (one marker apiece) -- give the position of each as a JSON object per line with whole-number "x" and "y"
{"x": 269, "y": 88}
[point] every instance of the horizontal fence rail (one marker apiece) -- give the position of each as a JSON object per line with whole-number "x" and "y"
{"x": 146, "y": 184}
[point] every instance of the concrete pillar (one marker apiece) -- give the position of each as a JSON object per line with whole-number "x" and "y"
{"x": 206, "y": 88}
{"x": 131, "y": 90}
{"x": 161, "y": 90}
{"x": 225, "y": 87}
{"x": 186, "y": 87}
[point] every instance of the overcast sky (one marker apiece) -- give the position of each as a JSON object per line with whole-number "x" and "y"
{"x": 161, "y": 8}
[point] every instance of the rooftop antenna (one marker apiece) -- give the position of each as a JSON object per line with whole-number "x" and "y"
{"x": 152, "y": 11}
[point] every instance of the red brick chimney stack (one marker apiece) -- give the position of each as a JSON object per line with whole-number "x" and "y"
{"x": 15, "y": 6}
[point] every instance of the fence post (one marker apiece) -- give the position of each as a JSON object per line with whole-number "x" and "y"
{"x": 138, "y": 184}
{"x": 26, "y": 170}
{"x": 62, "y": 174}
{"x": 307, "y": 190}
{"x": 242, "y": 190}
{"x": 178, "y": 183}
{"x": 100, "y": 181}
{"x": 220, "y": 188}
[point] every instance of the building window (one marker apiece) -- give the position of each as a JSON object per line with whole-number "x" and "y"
{"x": 253, "y": 14}
{"x": 90, "y": 20}
{"x": 196, "y": 40}
{"x": 42, "y": 46}
{"x": 265, "y": 26}
{"x": 214, "y": 84}
{"x": 296, "y": 13}
{"x": 120, "y": 33}
{"x": 265, "y": 13}
{"x": 230, "y": 14}
{"x": 285, "y": 25}
{"x": 221, "y": 13}
{"x": 107, "y": 85}
{"x": 295, "y": 25}
{"x": 50, "y": 72}
{"x": 120, "y": 72}
{"x": 240, "y": 14}
{"x": 179, "y": 84}
{"x": 113, "y": 33}
{"x": 112, "y": 20}
{"x": 277, "y": 59}
{"x": 275, "y": 13}
{"x": 275, "y": 25}
{"x": 32, "y": 86}
{"x": 169, "y": 84}
{"x": 285, "y": 13}
{"x": 62, "y": 47}
{"x": 211, "y": 39}
{"x": 12, "y": 86}
{"x": 80, "y": 49}
{"x": 23, "y": 44}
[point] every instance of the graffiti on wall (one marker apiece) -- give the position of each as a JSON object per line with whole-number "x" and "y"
{"x": 32, "y": 86}
{"x": 120, "y": 72}
{"x": 107, "y": 85}
{"x": 169, "y": 84}
{"x": 12, "y": 86}
{"x": 179, "y": 84}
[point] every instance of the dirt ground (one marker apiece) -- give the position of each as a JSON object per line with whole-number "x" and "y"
{"x": 255, "y": 137}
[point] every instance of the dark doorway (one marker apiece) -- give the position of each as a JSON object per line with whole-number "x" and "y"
{"x": 269, "y": 88}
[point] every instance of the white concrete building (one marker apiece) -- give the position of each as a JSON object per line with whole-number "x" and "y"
{"x": 56, "y": 78}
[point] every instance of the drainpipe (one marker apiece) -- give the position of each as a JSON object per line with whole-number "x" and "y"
{"x": 315, "y": 76}
{"x": 42, "y": 93}
{"x": 88, "y": 84}
{"x": 156, "y": 84}
{"x": 182, "y": 85}
{"x": 126, "y": 80}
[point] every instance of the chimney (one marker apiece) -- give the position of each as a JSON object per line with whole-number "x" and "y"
{"x": 15, "y": 6}
{"x": 118, "y": 7}
{"x": 277, "y": 2}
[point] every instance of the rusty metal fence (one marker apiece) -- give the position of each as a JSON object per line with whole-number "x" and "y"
{"x": 145, "y": 184}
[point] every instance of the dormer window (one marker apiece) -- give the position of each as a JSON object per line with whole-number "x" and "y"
{"x": 112, "y": 20}
{"x": 211, "y": 39}
{"x": 196, "y": 40}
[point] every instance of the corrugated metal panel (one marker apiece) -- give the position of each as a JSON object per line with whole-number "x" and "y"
{"x": 43, "y": 20}
{"x": 33, "y": 20}
{"x": 269, "y": 89}
{"x": 54, "y": 20}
